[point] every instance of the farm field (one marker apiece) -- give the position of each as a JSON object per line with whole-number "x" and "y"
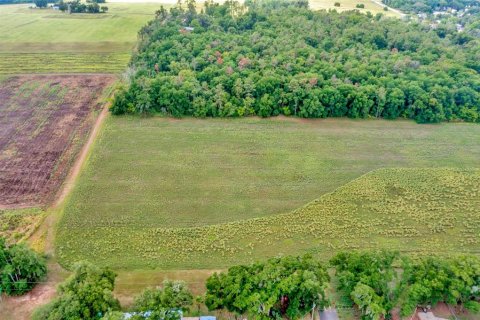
{"x": 48, "y": 41}
{"x": 43, "y": 122}
{"x": 345, "y": 5}
{"x": 204, "y": 193}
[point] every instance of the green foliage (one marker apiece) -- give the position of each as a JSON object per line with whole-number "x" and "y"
{"x": 279, "y": 287}
{"x": 86, "y": 294}
{"x": 368, "y": 302}
{"x": 365, "y": 277}
{"x": 164, "y": 303}
{"x": 429, "y": 5}
{"x": 360, "y": 6}
{"x": 430, "y": 280}
{"x": 280, "y": 59}
{"x": 76, "y": 6}
{"x": 337, "y": 4}
{"x": 41, "y": 3}
{"x": 20, "y": 268}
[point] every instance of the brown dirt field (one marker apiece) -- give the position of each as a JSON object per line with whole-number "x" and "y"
{"x": 44, "y": 119}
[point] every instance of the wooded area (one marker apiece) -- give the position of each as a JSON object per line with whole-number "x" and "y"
{"x": 270, "y": 59}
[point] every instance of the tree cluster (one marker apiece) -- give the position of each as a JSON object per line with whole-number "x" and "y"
{"x": 431, "y": 280}
{"x": 76, "y": 6}
{"x": 232, "y": 60}
{"x": 278, "y": 288}
{"x": 20, "y": 268}
{"x": 366, "y": 277}
{"x": 88, "y": 294}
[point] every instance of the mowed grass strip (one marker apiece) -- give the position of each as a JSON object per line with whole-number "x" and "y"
{"x": 151, "y": 174}
{"x": 27, "y": 63}
{"x": 417, "y": 211}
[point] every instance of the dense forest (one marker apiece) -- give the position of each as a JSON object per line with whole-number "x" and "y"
{"x": 430, "y": 5}
{"x": 272, "y": 58}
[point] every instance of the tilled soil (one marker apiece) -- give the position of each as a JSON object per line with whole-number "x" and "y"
{"x": 44, "y": 120}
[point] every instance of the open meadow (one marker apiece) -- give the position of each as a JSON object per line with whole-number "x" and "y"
{"x": 209, "y": 193}
{"x": 50, "y": 41}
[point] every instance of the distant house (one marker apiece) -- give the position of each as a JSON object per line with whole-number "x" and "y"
{"x": 186, "y": 29}
{"x": 328, "y": 314}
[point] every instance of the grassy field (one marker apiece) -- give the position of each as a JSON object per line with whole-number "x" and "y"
{"x": 19, "y": 223}
{"x": 40, "y": 41}
{"x": 189, "y": 189}
{"x": 345, "y": 5}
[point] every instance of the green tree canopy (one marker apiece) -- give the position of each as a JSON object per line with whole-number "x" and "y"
{"x": 164, "y": 303}
{"x": 86, "y": 294}
{"x": 20, "y": 268}
{"x": 280, "y": 287}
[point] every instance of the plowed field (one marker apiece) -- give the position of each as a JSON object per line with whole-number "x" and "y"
{"x": 43, "y": 122}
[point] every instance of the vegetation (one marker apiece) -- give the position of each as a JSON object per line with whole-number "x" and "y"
{"x": 279, "y": 288}
{"x": 365, "y": 277}
{"x": 419, "y": 210}
{"x": 164, "y": 303}
{"x": 20, "y": 268}
{"x": 429, "y": 5}
{"x": 217, "y": 71}
{"x": 46, "y": 41}
{"x": 19, "y": 223}
{"x": 76, "y": 6}
{"x": 86, "y": 294}
{"x": 432, "y": 279}
{"x": 41, "y": 3}
{"x": 360, "y": 6}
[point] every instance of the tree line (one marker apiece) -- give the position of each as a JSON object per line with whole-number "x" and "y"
{"x": 265, "y": 59}
{"x": 290, "y": 287}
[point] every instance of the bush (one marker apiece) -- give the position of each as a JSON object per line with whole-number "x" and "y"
{"x": 20, "y": 268}
{"x": 360, "y": 6}
{"x": 85, "y": 295}
{"x": 337, "y": 4}
{"x": 472, "y": 306}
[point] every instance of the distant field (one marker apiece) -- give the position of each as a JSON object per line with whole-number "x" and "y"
{"x": 43, "y": 123}
{"x": 204, "y": 173}
{"x": 345, "y": 5}
{"x": 42, "y": 41}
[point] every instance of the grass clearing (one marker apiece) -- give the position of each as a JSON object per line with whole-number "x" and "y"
{"x": 19, "y": 224}
{"x": 346, "y": 5}
{"x": 186, "y": 183}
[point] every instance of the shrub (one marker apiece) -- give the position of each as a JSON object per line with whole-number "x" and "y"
{"x": 20, "y": 268}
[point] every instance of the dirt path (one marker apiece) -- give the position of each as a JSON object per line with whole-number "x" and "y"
{"x": 49, "y": 224}
{"x": 21, "y": 307}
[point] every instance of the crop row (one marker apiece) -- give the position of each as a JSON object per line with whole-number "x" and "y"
{"x": 12, "y": 63}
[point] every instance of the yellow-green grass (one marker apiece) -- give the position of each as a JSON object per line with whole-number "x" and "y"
{"x": 18, "y": 224}
{"x": 181, "y": 194}
{"x": 45, "y": 40}
{"x": 27, "y": 63}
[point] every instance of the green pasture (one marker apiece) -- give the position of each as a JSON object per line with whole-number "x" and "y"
{"x": 45, "y": 40}
{"x": 192, "y": 193}
{"x": 346, "y": 5}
